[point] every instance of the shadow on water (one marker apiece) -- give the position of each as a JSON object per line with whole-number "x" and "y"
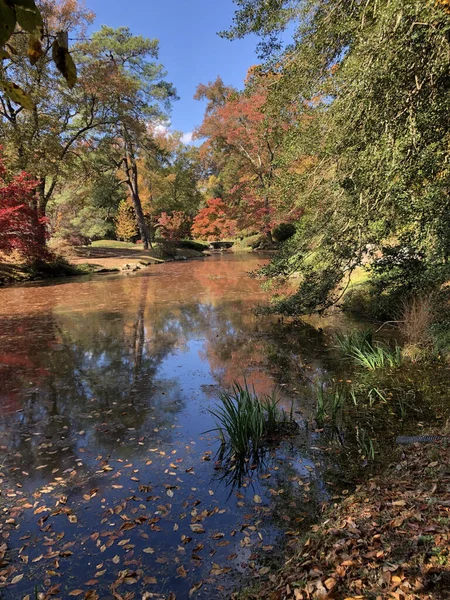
{"x": 109, "y": 485}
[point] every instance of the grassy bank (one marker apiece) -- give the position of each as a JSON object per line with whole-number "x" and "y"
{"x": 11, "y": 273}
{"x": 389, "y": 539}
{"x": 100, "y": 257}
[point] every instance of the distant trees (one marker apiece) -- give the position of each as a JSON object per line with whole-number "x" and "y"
{"x": 243, "y": 138}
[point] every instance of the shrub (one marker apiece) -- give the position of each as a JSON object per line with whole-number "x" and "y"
{"x": 416, "y": 320}
{"x": 283, "y": 232}
{"x": 191, "y": 245}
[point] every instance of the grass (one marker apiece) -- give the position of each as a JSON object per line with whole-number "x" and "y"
{"x": 360, "y": 347}
{"x": 329, "y": 403}
{"x": 116, "y": 244}
{"x": 245, "y": 420}
{"x": 378, "y": 356}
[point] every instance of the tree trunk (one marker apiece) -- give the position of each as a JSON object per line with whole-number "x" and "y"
{"x": 133, "y": 184}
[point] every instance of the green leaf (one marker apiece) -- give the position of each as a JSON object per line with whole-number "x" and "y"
{"x": 16, "y": 94}
{"x": 7, "y": 22}
{"x": 64, "y": 62}
{"x": 29, "y": 16}
{"x": 3, "y": 54}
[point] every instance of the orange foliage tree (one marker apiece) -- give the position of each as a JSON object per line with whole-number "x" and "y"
{"x": 213, "y": 221}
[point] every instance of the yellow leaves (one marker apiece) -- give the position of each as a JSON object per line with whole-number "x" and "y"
{"x": 330, "y": 583}
{"x": 16, "y": 94}
{"x": 149, "y": 550}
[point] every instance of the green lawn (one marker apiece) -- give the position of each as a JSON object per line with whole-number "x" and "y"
{"x": 116, "y": 244}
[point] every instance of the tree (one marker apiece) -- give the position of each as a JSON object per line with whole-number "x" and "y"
{"x": 175, "y": 226}
{"x": 126, "y": 228}
{"x": 19, "y": 229}
{"x": 244, "y": 136}
{"x": 44, "y": 141}
{"x": 376, "y": 79}
{"x": 134, "y": 90}
{"x": 170, "y": 175}
{"x": 212, "y": 221}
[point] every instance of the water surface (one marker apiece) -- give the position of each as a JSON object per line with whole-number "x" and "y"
{"x": 111, "y": 483}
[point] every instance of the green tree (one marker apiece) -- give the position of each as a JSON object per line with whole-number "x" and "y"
{"x": 135, "y": 92}
{"x": 376, "y": 77}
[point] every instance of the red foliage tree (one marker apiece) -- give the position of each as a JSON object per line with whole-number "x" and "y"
{"x": 213, "y": 222}
{"x": 21, "y": 228}
{"x": 175, "y": 226}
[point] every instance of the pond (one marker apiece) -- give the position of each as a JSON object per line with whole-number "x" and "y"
{"x": 111, "y": 482}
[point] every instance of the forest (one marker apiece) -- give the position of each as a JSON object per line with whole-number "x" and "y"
{"x": 271, "y": 419}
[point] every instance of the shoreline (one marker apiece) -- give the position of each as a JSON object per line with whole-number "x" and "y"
{"x": 390, "y": 538}
{"x": 17, "y": 274}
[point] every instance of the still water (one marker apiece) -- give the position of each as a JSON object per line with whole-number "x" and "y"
{"x": 110, "y": 482}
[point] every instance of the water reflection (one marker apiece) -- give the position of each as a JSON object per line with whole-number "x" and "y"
{"x": 105, "y": 385}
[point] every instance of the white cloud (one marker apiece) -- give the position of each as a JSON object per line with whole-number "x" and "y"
{"x": 162, "y": 129}
{"x": 186, "y": 138}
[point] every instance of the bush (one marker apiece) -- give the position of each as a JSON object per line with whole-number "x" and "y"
{"x": 191, "y": 245}
{"x": 283, "y": 232}
{"x": 416, "y": 319}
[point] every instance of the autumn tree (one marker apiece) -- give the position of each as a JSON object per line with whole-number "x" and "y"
{"x": 134, "y": 92}
{"x": 242, "y": 135}
{"x": 174, "y": 226}
{"x": 213, "y": 221}
{"x": 126, "y": 227}
{"x": 20, "y": 230}
{"x": 170, "y": 174}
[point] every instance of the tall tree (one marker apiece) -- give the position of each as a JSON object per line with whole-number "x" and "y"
{"x": 377, "y": 76}
{"x": 43, "y": 140}
{"x": 135, "y": 92}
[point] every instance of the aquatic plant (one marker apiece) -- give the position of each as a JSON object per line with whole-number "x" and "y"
{"x": 378, "y": 356}
{"x": 244, "y": 420}
{"x": 359, "y": 346}
{"x": 328, "y": 403}
{"x": 356, "y": 339}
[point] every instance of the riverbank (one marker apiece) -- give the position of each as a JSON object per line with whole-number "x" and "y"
{"x": 88, "y": 260}
{"x": 389, "y": 539}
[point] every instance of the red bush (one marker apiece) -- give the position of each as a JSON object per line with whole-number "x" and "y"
{"x": 21, "y": 227}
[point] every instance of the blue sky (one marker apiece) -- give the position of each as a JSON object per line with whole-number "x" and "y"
{"x": 190, "y": 48}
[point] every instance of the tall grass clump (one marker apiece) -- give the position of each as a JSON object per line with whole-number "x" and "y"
{"x": 416, "y": 320}
{"x": 357, "y": 338}
{"x": 378, "y": 356}
{"x": 244, "y": 420}
{"x": 360, "y": 347}
{"x": 328, "y": 403}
